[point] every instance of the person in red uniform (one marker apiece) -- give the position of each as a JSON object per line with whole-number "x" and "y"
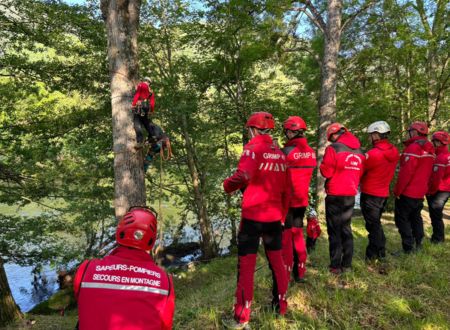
{"x": 416, "y": 164}
{"x": 439, "y": 186}
{"x": 261, "y": 175}
{"x": 126, "y": 290}
{"x": 379, "y": 170}
{"x": 301, "y": 161}
{"x": 342, "y": 166}
{"x": 143, "y": 104}
{"x": 313, "y": 230}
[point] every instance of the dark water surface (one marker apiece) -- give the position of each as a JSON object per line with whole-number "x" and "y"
{"x": 27, "y": 289}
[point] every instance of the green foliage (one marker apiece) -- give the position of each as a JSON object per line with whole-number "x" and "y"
{"x": 215, "y": 62}
{"x": 55, "y": 138}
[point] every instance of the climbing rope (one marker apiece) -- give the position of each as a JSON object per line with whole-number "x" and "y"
{"x": 163, "y": 157}
{"x": 168, "y": 152}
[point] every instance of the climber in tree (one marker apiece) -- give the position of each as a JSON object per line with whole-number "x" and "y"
{"x": 143, "y": 105}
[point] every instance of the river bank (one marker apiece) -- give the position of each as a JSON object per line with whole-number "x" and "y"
{"x": 413, "y": 294}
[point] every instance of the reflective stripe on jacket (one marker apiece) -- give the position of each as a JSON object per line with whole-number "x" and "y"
{"x": 124, "y": 290}
{"x": 440, "y": 176}
{"x": 416, "y": 164}
{"x": 342, "y": 166}
{"x": 301, "y": 161}
{"x": 262, "y": 173}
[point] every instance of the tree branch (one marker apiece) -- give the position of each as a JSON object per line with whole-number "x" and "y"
{"x": 317, "y": 22}
{"x": 352, "y": 17}
{"x": 423, "y": 17}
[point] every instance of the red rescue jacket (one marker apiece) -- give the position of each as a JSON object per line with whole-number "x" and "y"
{"x": 301, "y": 161}
{"x": 143, "y": 93}
{"x": 416, "y": 164}
{"x": 313, "y": 228}
{"x": 124, "y": 290}
{"x": 262, "y": 173}
{"x": 379, "y": 168}
{"x": 440, "y": 176}
{"x": 342, "y": 166}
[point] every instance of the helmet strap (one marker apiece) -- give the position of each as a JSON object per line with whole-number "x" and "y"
{"x": 298, "y": 133}
{"x": 252, "y": 134}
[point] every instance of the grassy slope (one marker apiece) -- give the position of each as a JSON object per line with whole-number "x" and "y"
{"x": 415, "y": 294}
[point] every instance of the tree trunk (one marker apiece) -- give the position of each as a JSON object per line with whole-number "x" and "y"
{"x": 9, "y": 311}
{"x": 122, "y": 21}
{"x": 433, "y": 89}
{"x": 207, "y": 243}
{"x": 327, "y": 101}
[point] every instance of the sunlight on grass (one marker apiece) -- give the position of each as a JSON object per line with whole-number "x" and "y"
{"x": 414, "y": 294}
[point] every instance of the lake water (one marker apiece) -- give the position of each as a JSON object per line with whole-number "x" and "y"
{"x": 28, "y": 291}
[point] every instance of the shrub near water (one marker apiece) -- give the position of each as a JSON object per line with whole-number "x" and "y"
{"x": 415, "y": 293}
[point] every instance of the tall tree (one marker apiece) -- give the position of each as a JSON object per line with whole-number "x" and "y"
{"x": 332, "y": 28}
{"x": 122, "y": 23}
{"x": 435, "y": 26}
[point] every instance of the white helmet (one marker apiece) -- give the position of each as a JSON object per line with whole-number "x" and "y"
{"x": 379, "y": 127}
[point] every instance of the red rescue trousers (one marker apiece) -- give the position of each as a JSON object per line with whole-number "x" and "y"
{"x": 294, "y": 247}
{"x": 250, "y": 233}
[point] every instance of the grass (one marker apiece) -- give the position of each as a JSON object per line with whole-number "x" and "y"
{"x": 415, "y": 293}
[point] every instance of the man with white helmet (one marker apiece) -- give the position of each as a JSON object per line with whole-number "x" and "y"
{"x": 379, "y": 170}
{"x": 126, "y": 289}
{"x": 439, "y": 186}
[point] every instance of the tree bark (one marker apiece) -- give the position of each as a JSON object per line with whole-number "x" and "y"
{"x": 327, "y": 100}
{"x": 9, "y": 311}
{"x": 122, "y": 21}
{"x": 207, "y": 244}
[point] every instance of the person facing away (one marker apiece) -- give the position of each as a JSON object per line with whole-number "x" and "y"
{"x": 261, "y": 175}
{"x": 416, "y": 165}
{"x": 342, "y": 166}
{"x": 379, "y": 170}
{"x": 313, "y": 230}
{"x": 301, "y": 161}
{"x": 439, "y": 185}
{"x": 144, "y": 95}
{"x": 126, "y": 289}
{"x": 143, "y": 105}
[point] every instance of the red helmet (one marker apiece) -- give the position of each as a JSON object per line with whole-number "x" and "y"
{"x": 137, "y": 229}
{"x": 261, "y": 120}
{"x": 294, "y": 123}
{"x": 441, "y": 136}
{"x": 334, "y": 128}
{"x": 419, "y": 126}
